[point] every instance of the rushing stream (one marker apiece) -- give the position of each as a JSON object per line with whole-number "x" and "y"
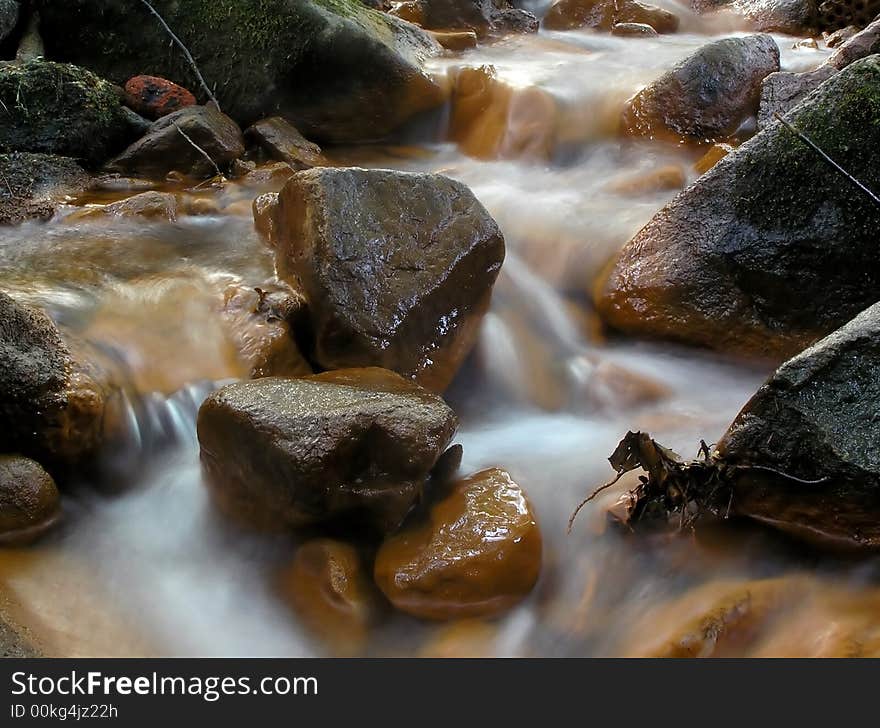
{"x": 143, "y": 565}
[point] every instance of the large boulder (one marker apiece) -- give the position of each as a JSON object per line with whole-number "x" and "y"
{"x": 51, "y": 403}
{"x": 8, "y": 17}
{"x": 771, "y": 248}
{"x": 481, "y": 16}
{"x": 33, "y": 184}
{"x": 816, "y": 420}
{"x": 801, "y": 17}
{"x": 706, "y": 96}
{"x": 605, "y": 14}
{"x": 477, "y": 554}
{"x": 179, "y": 141}
{"x": 338, "y": 70}
{"x": 346, "y": 444}
{"x": 397, "y": 268}
{"x": 57, "y": 108}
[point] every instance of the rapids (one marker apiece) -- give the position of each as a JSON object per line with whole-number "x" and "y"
{"x": 142, "y": 564}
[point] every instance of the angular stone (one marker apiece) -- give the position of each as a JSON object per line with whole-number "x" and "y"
{"x": 354, "y": 443}
{"x": 281, "y": 141}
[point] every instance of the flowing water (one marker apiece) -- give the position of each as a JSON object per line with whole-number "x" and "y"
{"x": 143, "y": 565}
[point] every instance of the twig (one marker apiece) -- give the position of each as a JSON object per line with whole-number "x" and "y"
{"x": 590, "y": 497}
{"x": 200, "y": 150}
{"x": 784, "y": 475}
{"x": 185, "y": 50}
{"x": 815, "y": 147}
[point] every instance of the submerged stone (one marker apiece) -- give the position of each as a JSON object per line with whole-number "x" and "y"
{"x": 29, "y": 500}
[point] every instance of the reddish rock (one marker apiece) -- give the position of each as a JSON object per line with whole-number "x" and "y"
{"x": 155, "y": 97}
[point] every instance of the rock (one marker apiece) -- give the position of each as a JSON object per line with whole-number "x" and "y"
{"x": 483, "y": 17}
{"x": 605, "y": 14}
{"x": 154, "y": 97}
{"x": 281, "y": 141}
{"x": 34, "y": 183}
{"x": 715, "y": 154}
{"x": 815, "y": 419}
{"x": 397, "y": 268}
{"x": 633, "y": 30}
{"x": 354, "y": 443}
{"x": 51, "y": 405}
{"x": 478, "y": 554}
{"x": 147, "y": 205}
{"x": 834, "y": 14}
{"x": 8, "y": 17}
{"x": 795, "y": 17}
{"x": 456, "y": 40}
{"x": 412, "y": 11}
{"x": 56, "y": 108}
{"x": 768, "y": 250}
{"x": 659, "y": 19}
{"x": 839, "y": 37}
{"x": 262, "y": 319}
{"x": 782, "y": 91}
{"x": 667, "y": 177}
{"x": 337, "y": 70}
{"x": 165, "y": 148}
{"x": 331, "y": 593}
{"x": 272, "y": 174}
{"x": 491, "y": 119}
{"x": 264, "y": 207}
{"x": 706, "y": 96}
{"x": 29, "y": 500}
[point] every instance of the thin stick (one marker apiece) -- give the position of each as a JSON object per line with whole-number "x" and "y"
{"x": 815, "y": 147}
{"x": 589, "y": 498}
{"x": 199, "y": 149}
{"x": 784, "y": 475}
{"x": 185, "y": 50}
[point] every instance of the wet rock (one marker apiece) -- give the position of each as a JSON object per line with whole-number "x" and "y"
{"x": 815, "y": 419}
{"x": 147, "y": 205}
{"x": 605, "y": 14}
{"x": 273, "y": 175}
{"x": 166, "y": 147}
{"x": 632, "y": 11}
{"x": 337, "y": 70}
{"x": 715, "y": 154}
{"x": 769, "y": 249}
{"x": 281, "y": 141}
{"x": 477, "y": 554}
{"x": 782, "y": 91}
{"x": 706, "y": 96}
{"x": 51, "y": 404}
{"x": 491, "y": 119}
{"x": 33, "y": 184}
{"x": 331, "y": 593}
{"x": 56, "y": 108}
{"x": 154, "y": 97}
{"x": 8, "y": 17}
{"x": 264, "y": 207}
{"x": 355, "y": 443}
{"x": 262, "y": 319}
{"x": 397, "y": 268}
{"x": 29, "y": 500}
{"x": 412, "y": 11}
{"x": 633, "y": 30}
{"x": 456, "y": 40}
{"x": 480, "y": 16}
{"x": 839, "y": 37}
{"x": 795, "y": 17}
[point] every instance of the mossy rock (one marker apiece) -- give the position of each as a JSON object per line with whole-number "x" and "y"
{"x": 57, "y": 108}
{"x": 335, "y": 68}
{"x": 33, "y": 182}
{"x": 772, "y": 248}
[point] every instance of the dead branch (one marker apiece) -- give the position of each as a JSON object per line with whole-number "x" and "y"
{"x": 200, "y": 150}
{"x": 815, "y": 147}
{"x": 179, "y": 43}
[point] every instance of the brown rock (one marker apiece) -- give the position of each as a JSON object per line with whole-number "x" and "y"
{"x": 706, "y": 96}
{"x": 354, "y": 443}
{"x": 34, "y": 184}
{"x": 264, "y": 208}
{"x": 456, "y": 40}
{"x": 331, "y": 593}
{"x": 29, "y": 500}
{"x": 281, "y": 141}
{"x": 164, "y": 148}
{"x": 605, "y": 14}
{"x": 633, "y": 30}
{"x": 668, "y": 177}
{"x": 51, "y": 403}
{"x": 397, "y": 268}
{"x": 147, "y": 205}
{"x": 478, "y": 554}
{"x": 632, "y": 11}
{"x": 716, "y": 153}
{"x": 154, "y": 97}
